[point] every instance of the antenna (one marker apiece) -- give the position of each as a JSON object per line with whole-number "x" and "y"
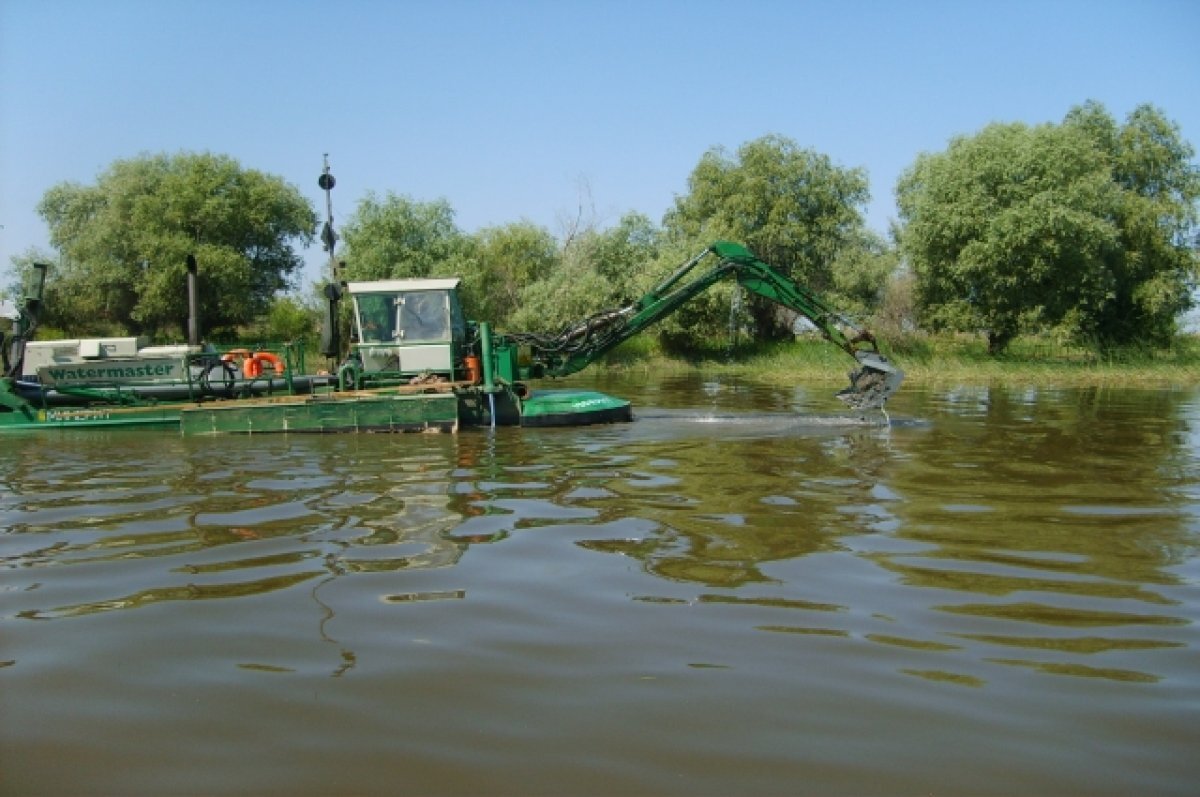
{"x": 328, "y": 236}
{"x": 330, "y": 336}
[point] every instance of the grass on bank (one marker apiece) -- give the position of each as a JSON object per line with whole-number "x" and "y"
{"x": 932, "y": 361}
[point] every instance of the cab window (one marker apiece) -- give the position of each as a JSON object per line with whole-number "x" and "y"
{"x": 424, "y": 316}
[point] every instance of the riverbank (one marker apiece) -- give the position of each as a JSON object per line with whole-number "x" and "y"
{"x": 936, "y": 362}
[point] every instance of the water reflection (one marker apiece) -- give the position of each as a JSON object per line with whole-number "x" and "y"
{"x": 186, "y": 592}
{"x": 1040, "y": 500}
{"x": 240, "y": 519}
{"x": 746, "y": 562}
{"x": 1009, "y": 494}
{"x": 722, "y": 506}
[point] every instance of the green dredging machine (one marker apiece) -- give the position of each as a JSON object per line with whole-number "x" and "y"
{"x": 415, "y": 364}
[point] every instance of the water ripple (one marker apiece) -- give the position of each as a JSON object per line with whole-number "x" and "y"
{"x": 990, "y": 573}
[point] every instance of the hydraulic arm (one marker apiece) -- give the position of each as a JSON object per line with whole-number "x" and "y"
{"x": 580, "y": 344}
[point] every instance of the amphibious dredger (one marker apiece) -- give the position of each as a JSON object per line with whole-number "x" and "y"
{"x": 415, "y": 363}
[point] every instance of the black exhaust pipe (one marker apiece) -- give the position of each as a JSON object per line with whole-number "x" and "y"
{"x": 331, "y": 345}
{"x": 193, "y": 323}
{"x": 26, "y": 322}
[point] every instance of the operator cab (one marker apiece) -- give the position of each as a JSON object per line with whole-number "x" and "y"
{"x": 408, "y": 327}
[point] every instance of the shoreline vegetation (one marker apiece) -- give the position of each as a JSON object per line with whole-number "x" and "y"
{"x": 930, "y": 361}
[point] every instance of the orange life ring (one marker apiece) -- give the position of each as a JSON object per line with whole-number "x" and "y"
{"x": 235, "y": 354}
{"x": 261, "y": 357}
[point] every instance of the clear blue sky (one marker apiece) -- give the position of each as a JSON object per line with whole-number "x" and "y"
{"x": 516, "y": 110}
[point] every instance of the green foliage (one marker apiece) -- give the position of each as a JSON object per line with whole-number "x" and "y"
{"x": 125, "y": 240}
{"x": 289, "y": 318}
{"x": 598, "y": 270}
{"x": 620, "y": 255}
{"x": 396, "y": 237}
{"x": 791, "y": 206}
{"x": 896, "y": 315}
{"x": 504, "y": 261}
{"x": 1008, "y": 228}
{"x": 862, "y": 272}
{"x": 1151, "y": 277}
{"x": 1084, "y": 227}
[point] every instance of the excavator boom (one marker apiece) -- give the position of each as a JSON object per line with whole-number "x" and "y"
{"x": 582, "y": 343}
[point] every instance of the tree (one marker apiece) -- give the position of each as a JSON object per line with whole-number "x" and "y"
{"x": 1151, "y": 276}
{"x": 396, "y": 237}
{"x": 1086, "y": 225}
{"x": 791, "y": 206}
{"x": 1008, "y": 228}
{"x": 125, "y": 241}
{"x": 620, "y": 256}
{"x": 862, "y": 272}
{"x": 597, "y": 270}
{"x": 290, "y": 318}
{"x": 506, "y": 260}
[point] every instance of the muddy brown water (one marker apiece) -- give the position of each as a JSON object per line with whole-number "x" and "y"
{"x": 743, "y": 592}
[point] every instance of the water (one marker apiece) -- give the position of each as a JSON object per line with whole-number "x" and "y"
{"x": 745, "y": 591}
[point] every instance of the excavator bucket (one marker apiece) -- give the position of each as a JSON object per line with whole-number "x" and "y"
{"x": 872, "y": 384}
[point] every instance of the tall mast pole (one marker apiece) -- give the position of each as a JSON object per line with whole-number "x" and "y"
{"x": 330, "y": 337}
{"x": 328, "y": 236}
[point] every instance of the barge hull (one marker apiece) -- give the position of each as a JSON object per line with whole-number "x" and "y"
{"x": 316, "y": 414}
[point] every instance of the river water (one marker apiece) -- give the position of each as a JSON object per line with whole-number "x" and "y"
{"x": 745, "y": 591}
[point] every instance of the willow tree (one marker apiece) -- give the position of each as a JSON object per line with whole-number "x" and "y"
{"x": 504, "y": 262}
{"x": 393, "y": 237}
{"x": 1086, "y": 226}
{"x": 1150, "y": 280}
{"x": 596, "y": 270}
{"x": 124, "y": 243}
{"x": 791, "y": 206}
{"x": 1007, "y": 228}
